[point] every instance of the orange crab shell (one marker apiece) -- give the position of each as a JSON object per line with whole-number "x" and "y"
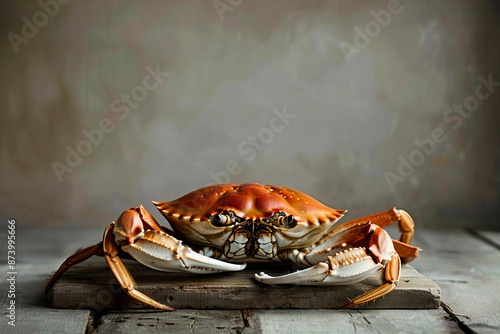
{"x": 189, "y": 214}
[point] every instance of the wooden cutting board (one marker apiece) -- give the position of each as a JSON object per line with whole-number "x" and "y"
{"x": 92, "y": 285}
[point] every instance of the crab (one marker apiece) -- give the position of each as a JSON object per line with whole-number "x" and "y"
{"x": 220, "y": 228}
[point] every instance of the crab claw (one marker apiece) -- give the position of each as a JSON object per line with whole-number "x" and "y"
{"x": 350, "y": 266}
{"x": 161, "y": 251}
{"x": 138, "y": 234}
{"x": 370, "y": 251}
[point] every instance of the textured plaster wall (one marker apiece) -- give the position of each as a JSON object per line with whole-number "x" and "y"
{"x": 279, "y": 92}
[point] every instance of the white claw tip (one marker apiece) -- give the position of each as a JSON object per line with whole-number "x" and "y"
{"x": 261, "y": 277}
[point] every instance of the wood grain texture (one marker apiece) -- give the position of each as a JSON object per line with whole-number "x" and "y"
{"x": 350, "y": 321}
{"x": 491, "y": 236}
{"x": 465, "y": 267}
{"x": 32, "y": 314}
{"x": 279, "y": 321}
{"x": 92, "y": 285}
{"x": 181, "y": 321}
{"x": 468, "y": 271}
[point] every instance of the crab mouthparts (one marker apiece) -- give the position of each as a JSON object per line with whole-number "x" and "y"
{"x": 251, "y": 240}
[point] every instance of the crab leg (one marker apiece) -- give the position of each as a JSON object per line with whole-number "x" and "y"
{"x": 406, "y": 225}
{"x": 406, "y": 251}
{"x": 74, "y": 259}
{"x": 382, "y": 219}
{"x": 392, "y": 273}
{"x": 121, "y": 273}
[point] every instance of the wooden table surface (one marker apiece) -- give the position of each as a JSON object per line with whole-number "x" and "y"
{"x": 464, "y": 263}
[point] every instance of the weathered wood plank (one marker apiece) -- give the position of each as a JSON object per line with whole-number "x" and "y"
{"x": 298, "y": 321}
{"x": 92, "y": 285}
{"x": 466, "y": 268}
{"x": 32, "y": 314}
{"x": 181, "y": 321}
{"x": 280, "y": 321}
{"x": 450, "y": 240}
{"x": 468, "y": 272}
{"x": 491, "y": 236}
{"x": 34, "y": 263}
{"x": 352, "y": 321}
{"x": 409, "y": 321}
{"x": 476, "y": 304}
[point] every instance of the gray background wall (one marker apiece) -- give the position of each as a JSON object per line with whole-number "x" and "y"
{"x": 232, "y": 69}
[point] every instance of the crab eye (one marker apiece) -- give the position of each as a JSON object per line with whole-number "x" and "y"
{"x": 287, "y": 222}
{"x": 219, "y": 220}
